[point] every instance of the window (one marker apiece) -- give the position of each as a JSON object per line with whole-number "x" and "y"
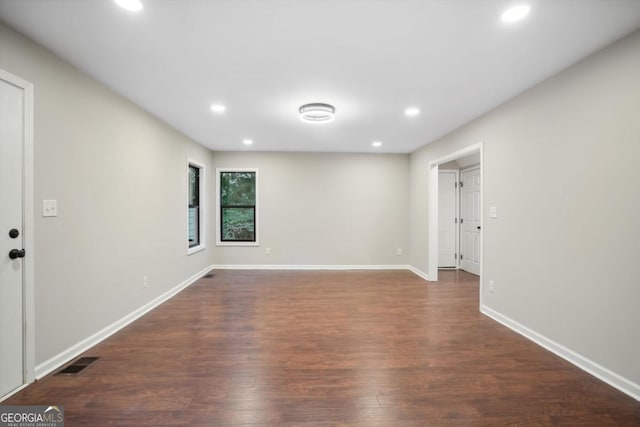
{"x": 237, "y": 197}
{"x": 195, "y": 206}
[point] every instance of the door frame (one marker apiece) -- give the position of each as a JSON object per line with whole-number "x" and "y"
{"x": 432, "y": 211}
{"x": 457, "y": 213}
{"x": 28, "y": 266}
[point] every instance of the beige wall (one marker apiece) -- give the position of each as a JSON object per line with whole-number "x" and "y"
{"x": 325, "y": 209}
{"x": 560, "y": 164}
{"x": 119, "y": 176}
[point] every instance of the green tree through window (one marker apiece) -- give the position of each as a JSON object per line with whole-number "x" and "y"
{"x": 238, "y": 206}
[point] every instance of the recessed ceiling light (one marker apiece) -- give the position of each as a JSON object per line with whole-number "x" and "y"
{"x": 412, "y": 111}
{"x": 317, "y": 113}
{"x": 376, "y": 144}
{"x": 247, "y": 141}
{"x": 515, "y": 13}
{"x": 218, "y": 108}
{"x": 132, "y": 5}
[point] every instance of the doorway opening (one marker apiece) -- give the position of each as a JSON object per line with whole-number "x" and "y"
{"x": 459, "y": 214}
{"x": 455, "y": 216}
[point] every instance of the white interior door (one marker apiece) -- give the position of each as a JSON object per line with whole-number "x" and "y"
{"x": 447, "y": 218}
{"x": 12, "y": 277}
{"x": 470, "y": 221}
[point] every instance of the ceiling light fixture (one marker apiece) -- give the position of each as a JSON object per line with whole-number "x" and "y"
{"x": 218, "y": 108}
{"x": 317, "y": 113}
{"x": 376, "y": 144}
{"x": 412, "y": 111}
{"x": 247, "y": 141}
{"x": 515, "y": 13}
{"x": 131, "y": 5}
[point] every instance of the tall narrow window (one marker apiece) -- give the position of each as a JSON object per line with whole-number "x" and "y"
{"x": 237, "y": 206}
{"x": 195, "y": 206}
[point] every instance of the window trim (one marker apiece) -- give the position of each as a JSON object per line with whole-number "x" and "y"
{"x": 202, "y": 186}
{"x": 218, "y": 216}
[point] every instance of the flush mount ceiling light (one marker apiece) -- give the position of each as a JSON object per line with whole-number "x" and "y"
{"x": 515, "y": 13}
{"x": 247, "y": 141}
{"x": 131, "y": 5}
{"x": 376, "y": 144}
{"x": 412, "y": 111}
{"x": 218, "y": 108}
{"x": 317, "y": 113}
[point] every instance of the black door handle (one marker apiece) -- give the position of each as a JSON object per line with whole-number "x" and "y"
{"x": 15, "y": 253}
{"x": 478, "y": 227}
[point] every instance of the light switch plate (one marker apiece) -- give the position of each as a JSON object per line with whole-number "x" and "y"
{"x": 493, "y": 212}
{"x": 49, "y": 208}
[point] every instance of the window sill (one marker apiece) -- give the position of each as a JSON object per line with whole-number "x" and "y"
{"x": 195, "y": 249}
{"x": 254, "y": 244}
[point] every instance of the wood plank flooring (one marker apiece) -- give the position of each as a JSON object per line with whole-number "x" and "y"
{"x": 316, "y": 348}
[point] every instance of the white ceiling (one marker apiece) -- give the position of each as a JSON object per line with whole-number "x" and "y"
{"x": 454, "y": 59}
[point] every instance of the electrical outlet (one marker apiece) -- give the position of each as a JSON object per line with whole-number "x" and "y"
{"x": 267, "y": 251}
{"x": 492, "y": 286}
{"x": 145, "y": 281}
{"x": 399, "y": 252}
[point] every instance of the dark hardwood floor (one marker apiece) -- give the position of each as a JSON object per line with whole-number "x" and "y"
{"x": 316, "y": 348}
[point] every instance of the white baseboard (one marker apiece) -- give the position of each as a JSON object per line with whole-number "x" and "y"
{"x": 60, "y": 359}
{"x": 615, "y": 380}
{"x": 308, "y": 267}
{"x": 411, "y": 268}
{"x": 420, "y": 273}
{"x": 12, "y": 392}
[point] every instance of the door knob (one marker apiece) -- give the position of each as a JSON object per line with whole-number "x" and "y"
{"x": 478, "y": 227}
{"x": 15, "y": 253}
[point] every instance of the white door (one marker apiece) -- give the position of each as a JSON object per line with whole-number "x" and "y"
{"x": 12, "y": 137}
{"x": 447, "y": 218}
{"x": 470, "y": 221}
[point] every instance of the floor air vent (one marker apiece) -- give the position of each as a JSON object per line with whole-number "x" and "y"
{"x": 77, "y": 366}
